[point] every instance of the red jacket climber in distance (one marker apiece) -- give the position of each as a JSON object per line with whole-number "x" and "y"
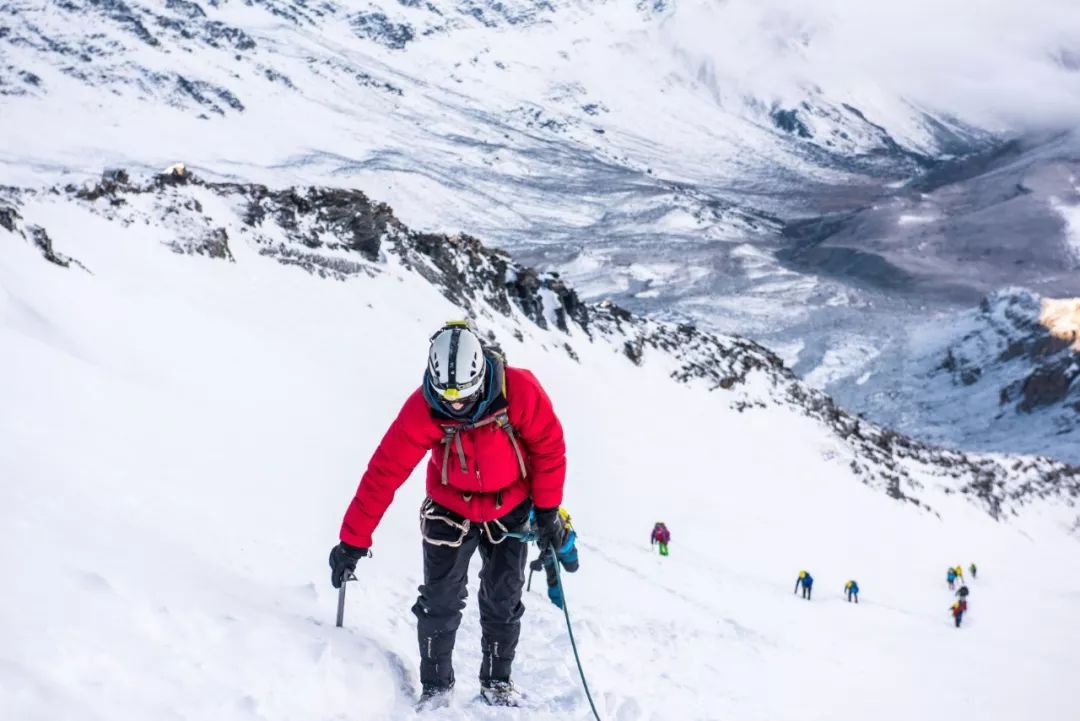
{"x": 661, "y": 534}
{"x": 492, "y": 482}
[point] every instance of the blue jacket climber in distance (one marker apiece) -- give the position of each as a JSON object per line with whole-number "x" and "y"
{"x": 851, "y": 588}
{"x": 806, "y": 581}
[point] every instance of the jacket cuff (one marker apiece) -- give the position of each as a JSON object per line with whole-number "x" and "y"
{"x": 547, "y": 499}
{"x": 355, "y": 539}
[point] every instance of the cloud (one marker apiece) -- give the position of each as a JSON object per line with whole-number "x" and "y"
{"x": 1011, "y": 63}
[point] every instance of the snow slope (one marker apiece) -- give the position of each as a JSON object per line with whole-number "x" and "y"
{"x": 182, "y": 433}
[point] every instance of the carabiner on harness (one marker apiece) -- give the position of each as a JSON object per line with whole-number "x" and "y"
{"x": 504, "y": 532}
{"x": 430, "y": 512}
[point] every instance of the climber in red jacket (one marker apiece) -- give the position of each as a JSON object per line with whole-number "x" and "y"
{"x": 496, "y": 452}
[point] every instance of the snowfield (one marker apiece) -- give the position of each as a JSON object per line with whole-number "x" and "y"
{"x": 181, "y": 436}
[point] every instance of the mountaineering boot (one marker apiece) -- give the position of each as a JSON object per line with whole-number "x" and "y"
{"x": 434, "y": 697}
{"x": 500, "y": 693}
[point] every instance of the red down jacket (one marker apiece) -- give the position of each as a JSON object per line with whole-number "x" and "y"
{"x": 492, "y": 465}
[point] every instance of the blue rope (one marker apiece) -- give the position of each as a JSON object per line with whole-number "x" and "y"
{"x": 573, "y": 644}
{"x": 528, "y": 538}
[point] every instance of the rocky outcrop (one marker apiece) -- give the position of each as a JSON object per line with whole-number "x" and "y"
{"x": 1011, "y": 345}
{"x": 12, "y": 221}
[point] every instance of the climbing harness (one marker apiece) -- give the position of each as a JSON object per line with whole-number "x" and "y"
{"x": 430, "y": 512}
{"x": 496, "y": 531}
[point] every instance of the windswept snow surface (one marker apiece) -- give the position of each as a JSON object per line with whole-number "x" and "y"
{"x": 182, "y": 435}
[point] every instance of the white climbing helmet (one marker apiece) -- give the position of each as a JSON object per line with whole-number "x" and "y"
{"x": 456, "y": 362}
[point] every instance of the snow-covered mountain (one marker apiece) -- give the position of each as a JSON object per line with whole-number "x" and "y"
{"x": 195, "y": 368}
{"x": 495, "y": 93}
{"x": 1000, "y": 377}
{"x": 777, "y": 169}
{"x": 934, "y": 302}
{"x": 195, "y": 373}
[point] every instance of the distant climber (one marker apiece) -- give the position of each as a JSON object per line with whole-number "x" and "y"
{"x": 958, "y": 609}
{"x": 962, "y": 594}
{"x": 661, "y": 536}
{"x": 806, "y": 581}
{"x": 973, "y": 570}
{"x": 960, "y": 573}
{"x": 566, "y": 555}
{"x": 950, "y": 576}
{"x": 851, "y": 588}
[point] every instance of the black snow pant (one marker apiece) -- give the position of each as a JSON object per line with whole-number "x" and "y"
{"x": 958, "y": 616}
{"x": 442, "y": 597}
{"x": 806, "y": 591}
{"x": 852, "y": 596}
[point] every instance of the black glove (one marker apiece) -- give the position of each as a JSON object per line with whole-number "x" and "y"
{"x": 550, "y": 531}
{"x": 343, "y": 558}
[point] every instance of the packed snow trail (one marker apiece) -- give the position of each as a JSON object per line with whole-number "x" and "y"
{"x": 181, "y": 437}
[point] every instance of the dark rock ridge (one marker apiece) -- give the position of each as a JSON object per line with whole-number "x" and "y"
{"x": 341, "y": 234}
{"x": 840, "y": 124}
{"x": 12, "y": 221}
{"x": 376, "y": 26}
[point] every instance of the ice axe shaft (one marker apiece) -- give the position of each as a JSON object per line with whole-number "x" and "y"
{"x": 341, "y": 599}
{"x": 534, "y": 566}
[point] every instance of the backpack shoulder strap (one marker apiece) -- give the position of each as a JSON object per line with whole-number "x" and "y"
{"x": 503, "y": 419}
{"x": 452, "y": 437}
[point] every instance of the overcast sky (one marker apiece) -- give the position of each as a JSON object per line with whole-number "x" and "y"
{"x": 1011, "y": 62}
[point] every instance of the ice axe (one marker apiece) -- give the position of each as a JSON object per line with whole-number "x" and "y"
{"x": 350, "y": 576}
{"x": 534, "y": 566}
